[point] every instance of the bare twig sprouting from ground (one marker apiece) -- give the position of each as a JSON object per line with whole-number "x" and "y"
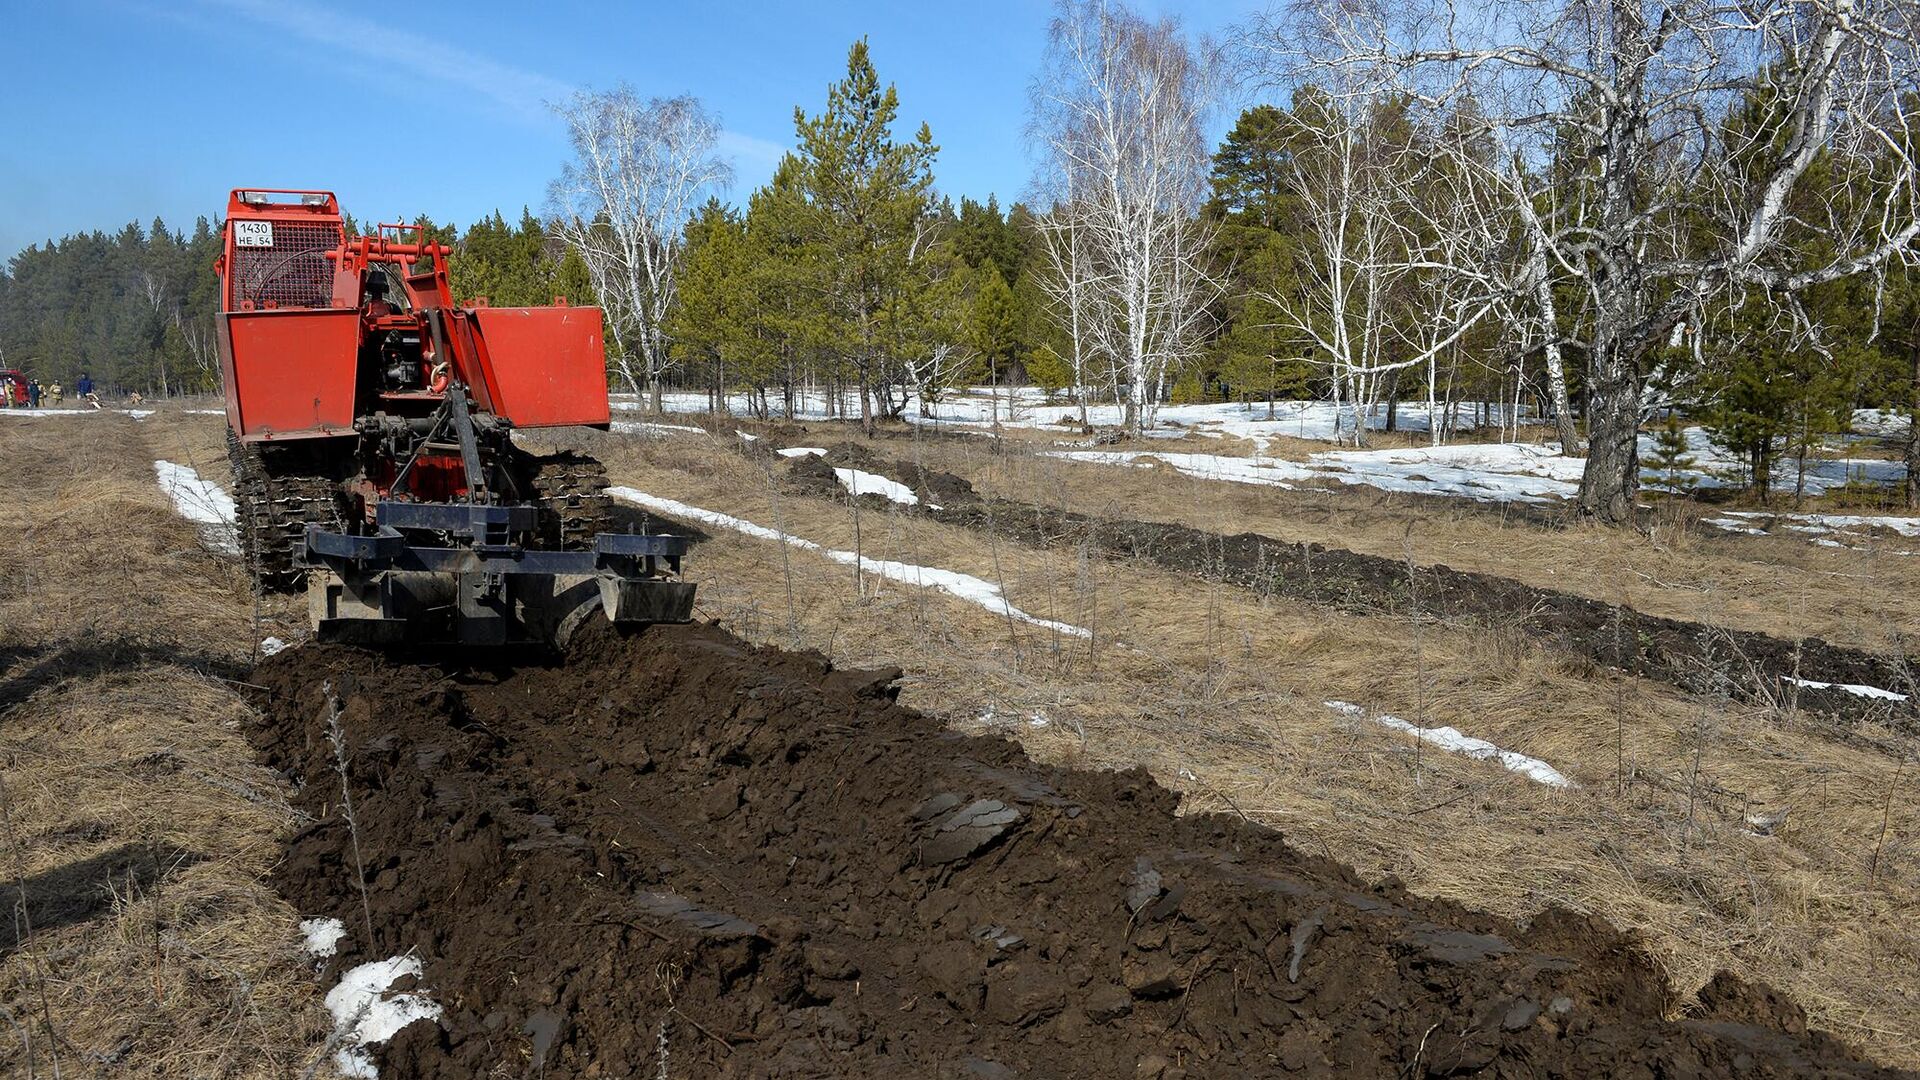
{"x": 859, "y": 549}
{"x": 1000, "y": 580}
{"x": 24, "y": 934}
{"x": 1619, "y": 701}
{"x": 786, "y": 559}
{"x": 337, "y": 738}
{"x": 1419, "y": 661}
{"x": 23, "y": 1032}
{"x": 1886, "y": 816}
{"x": 1714, "y": 693}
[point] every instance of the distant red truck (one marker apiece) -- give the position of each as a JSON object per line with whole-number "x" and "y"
{"x": 14, "y": 383}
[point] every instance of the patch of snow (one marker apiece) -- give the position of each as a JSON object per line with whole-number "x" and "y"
{"x": 137, "y": 414}
{"x": 1489, "y": 472}
{"x": 1509, "y": 472}
{"x": 744, "y": 437}
{"x": 984, "y": 407}
{"x": 866, "y": 483}
{"x": 1452, "y": 739}
{"x": 1884, "y": 423}
{"x": 323, "y": 935}
{"x": 965, "y": 586}
{"x": 365, "y": 1015}
{"x": 1905, "y": 526}
{"x": 202, "y": 502}
{"x": 271, "y": 646}
{"x": 640, "y": 427}
{"x": 204, "y": 412}
{"x": 802, "y": 451}
{"x": 1852, "y": 688}
{"x": 1730, "y": 525}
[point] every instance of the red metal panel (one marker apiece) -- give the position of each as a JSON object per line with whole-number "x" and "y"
{"x": 544, "y": 366}
{"x": 290, "y": 372}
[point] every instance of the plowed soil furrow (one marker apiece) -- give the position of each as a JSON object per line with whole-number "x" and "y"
{"x": 678, "y": 854}
{"x": 1695, "y": 656}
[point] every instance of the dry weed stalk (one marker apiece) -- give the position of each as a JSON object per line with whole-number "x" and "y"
{"x": 337, "y": 739}
{"x": 1419, "y": 655}
{"x": 23, "y": 933}
{"x": 1886, "y": 818}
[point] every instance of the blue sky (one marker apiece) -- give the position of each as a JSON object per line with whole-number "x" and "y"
{"x": 122, "y": 109}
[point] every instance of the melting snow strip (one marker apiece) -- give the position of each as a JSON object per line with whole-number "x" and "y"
{"x": 137, "y": 414}
{"x": 640, "y": 427}
{"x": 202, "y": 502}
{"x": 364, "y": 1014}
{"x": 1499, "y": 473}
{"x": 1905, "y": 526}
{"x": 965, "y": 586}
{"x": 802, "y": 451}
{"x": 866, "y": 483}
{"x": 1448, "y": 738}
{"x": 1852, "y": 688}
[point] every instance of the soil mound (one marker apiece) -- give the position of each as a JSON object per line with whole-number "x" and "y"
{"x": 813, "y": 475}
{"x": 676, "y": 853}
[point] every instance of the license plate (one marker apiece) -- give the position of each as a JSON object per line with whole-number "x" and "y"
{"x": 253, "y": 234}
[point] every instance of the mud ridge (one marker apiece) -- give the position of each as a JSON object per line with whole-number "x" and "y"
{"x": 1696, "y": 657}
{"x": 677, "y": 852}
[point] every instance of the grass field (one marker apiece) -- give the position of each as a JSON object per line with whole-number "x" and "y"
{"x": 123, "y": 637}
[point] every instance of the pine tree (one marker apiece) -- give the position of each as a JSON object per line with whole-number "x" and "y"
{"x": 869, "y": 200}
{"x": 993, "y": 325}
{"x": 1672, "y": 457}
{"x": 1250, "y": 170}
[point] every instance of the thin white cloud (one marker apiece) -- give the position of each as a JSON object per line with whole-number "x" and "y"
{"x": 527, "y": 94}
{"x": 752, "y": 156}
{"x": 516, "y": 89}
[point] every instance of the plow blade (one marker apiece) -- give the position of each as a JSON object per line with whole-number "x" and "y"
{"x": 381, "y": 590}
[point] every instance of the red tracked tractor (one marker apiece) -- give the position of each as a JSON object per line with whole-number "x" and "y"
{"x": 370, "y": 423}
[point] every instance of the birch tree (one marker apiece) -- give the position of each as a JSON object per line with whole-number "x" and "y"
{"x": 639, "y": 170}
{"x": 1118, "y": 116}
{"x": 1400, "y": 258}
{"x": 1613, "y": 111}
{"x": 1069, "y": 280}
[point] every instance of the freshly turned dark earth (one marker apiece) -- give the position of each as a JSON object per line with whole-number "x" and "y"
{"x": 797, "y": 877}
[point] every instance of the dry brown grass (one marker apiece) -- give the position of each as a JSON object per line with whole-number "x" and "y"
{"x": 1779, "y": 585}
{"x": 121, "y": 747}
{"x": 1217, "y": 691}
{"x": 1220, "y": 694}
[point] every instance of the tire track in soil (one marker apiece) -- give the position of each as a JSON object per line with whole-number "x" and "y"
{"x": 1699, "y": 658}
{"x": 767, "y": 866}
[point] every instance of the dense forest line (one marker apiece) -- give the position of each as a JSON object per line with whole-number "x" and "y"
{"x": 135, "y": 308}
{"x": 1327, "y": 251}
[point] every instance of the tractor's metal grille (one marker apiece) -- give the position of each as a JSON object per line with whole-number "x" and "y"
{"x": 294, "y": 272}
